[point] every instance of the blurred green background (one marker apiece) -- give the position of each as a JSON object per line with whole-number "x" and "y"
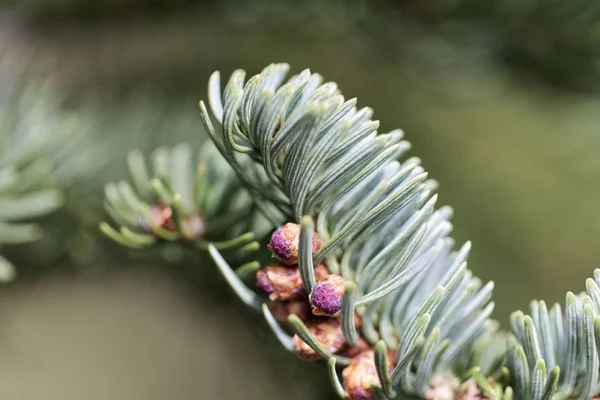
{"x": 499, "y": 99}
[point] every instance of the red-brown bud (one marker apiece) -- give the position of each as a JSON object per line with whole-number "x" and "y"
{"x": 281, "y": 310}
{"x": 360, "y": 375}
{"x": 280, "y": 283}
{"x": 358, "y": 347}
{"x": 328, "y": 333}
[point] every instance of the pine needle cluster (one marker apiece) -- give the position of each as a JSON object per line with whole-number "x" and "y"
{"x": 365, "y": 276}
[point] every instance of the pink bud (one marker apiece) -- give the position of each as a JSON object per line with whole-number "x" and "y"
{"x": 160, "y": 215}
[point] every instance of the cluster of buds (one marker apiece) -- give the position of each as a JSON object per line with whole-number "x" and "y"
{"x": 161, "y": 215}
{"x": 319, "y": 309}
{"x": 283, "y": 282}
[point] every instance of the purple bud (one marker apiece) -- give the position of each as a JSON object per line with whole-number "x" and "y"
{"x": 282, "y": 242}
{"x": 326, "y": 296}
{"x": 285, "y": 243}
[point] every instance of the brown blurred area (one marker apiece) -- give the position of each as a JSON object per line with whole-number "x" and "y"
{"x": 129, "y": 335}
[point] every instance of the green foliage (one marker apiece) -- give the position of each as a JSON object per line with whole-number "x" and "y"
{"x": 311, "y": 153}
{"x": 306, "y": 154}
{"x": 555, "y": 355}
{"x": 178, "y": 202}
{"x": 42, "y": 153}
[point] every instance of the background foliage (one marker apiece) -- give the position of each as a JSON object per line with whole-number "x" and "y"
{"x": 499, "y": 101}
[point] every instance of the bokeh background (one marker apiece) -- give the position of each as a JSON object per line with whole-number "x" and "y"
{"x": 499, "y": 99}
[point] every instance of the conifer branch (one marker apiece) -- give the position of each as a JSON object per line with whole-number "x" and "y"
{"x": 364, "y": 271}
{"x": 307, "y": 153}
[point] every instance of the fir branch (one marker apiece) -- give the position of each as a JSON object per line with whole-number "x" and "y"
{"x": 305, "y": 153}
{"x": 364, "y": 272}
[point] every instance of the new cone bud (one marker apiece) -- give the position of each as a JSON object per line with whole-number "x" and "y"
{"x": 360, "y": 375}
{"x": 285, "y": 243}
{"x": 328, "y": 333}
{"x": 281, "y": 310}
{"x": 326, "y": 296}
{"x": 280, "y": 283}
{"x": 160, "y": 214}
